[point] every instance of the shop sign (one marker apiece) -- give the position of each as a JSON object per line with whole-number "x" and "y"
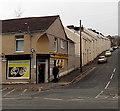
{"x": 62, "y": 57}
{"x": 18, "y": 69}
{"x": 4, "y": 60}
{"x": 60, "y": 63}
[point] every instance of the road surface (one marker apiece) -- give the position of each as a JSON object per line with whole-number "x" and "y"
{"x": 98, "y": 90}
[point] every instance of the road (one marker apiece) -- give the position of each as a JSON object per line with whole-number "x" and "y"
{"x": 98, "y": 90}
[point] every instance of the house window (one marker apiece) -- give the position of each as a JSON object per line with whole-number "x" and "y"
{"x": 19, "y": 43}
{"x": 62, "y": 44}
{"x": 55, "y": 45}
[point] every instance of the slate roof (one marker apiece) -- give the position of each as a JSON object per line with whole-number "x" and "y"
{"x": 35, "y": 24}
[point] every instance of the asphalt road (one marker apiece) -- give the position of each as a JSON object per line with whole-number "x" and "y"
{"x": 98, "y": 90}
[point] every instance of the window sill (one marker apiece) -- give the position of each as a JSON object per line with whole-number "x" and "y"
{"x": 62, "y": 48}
{"x": 19, "y": 52}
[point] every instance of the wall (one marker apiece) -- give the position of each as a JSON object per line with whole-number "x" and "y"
{"x": 9, "y": 39}
{"x": 57, "y": 30}
{"x": 0, "y": 58}
{"x": 71, "y": 55}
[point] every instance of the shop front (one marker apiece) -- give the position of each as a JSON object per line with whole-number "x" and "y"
{"x": 61, "y": 61}
{"x": 18, "y": 69}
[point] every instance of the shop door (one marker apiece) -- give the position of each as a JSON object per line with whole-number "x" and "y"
{"x": 41, "y": 73}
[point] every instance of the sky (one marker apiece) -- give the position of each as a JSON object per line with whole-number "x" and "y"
{"x": 101, "y": 15}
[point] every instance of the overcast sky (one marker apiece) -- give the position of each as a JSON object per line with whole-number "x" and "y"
{"x": 101, "y": 15}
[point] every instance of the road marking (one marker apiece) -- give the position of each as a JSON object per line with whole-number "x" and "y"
{"x": 99, "y": 94}
{"x": 75, "y": 99}
{"x": 23, "y": 92}
{"x": 3, "y": 89}
{"x": 107, "y": 85}
{"x": 53, "y": 98}
{"x": 9, "y": 92}
{"x": 115, "y": 97}
{"x": 9, "y": 98}
{"x": 111, "y": 76}
{"x": 114, "y": 70}
{"x": 106, "y": 96}
{"x": 83, "y": 97}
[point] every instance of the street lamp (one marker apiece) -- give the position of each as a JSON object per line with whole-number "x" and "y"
{"x": 80, "y": 48}
{"x": 32, "y": 50}
{"x": 28, "y": 29}
{"x": 80, "y": 28}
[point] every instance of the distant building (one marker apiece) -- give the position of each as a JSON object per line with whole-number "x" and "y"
{"x": 115, "y": 40}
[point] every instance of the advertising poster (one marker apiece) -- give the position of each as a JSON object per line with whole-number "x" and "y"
{"x": 60, "y": 63}
{"x": 18, "y": 69}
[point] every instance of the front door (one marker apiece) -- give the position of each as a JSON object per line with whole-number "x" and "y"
{"x": 41, "y": 72}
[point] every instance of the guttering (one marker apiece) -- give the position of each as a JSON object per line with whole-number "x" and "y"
{"x": 25, "y": 32}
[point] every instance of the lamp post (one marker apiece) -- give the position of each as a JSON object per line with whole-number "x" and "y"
{"x": 80, "y": 48}
{"x": 80, "y": 28}
{"x": 28, "y": 31}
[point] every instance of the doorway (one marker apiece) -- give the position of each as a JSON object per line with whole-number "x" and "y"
{"x": 41, "y": 72}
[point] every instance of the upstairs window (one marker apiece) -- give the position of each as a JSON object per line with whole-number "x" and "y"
{"x": 62, "y": 44}
{"x": 55, "y": 45}
{"x": 19, "y": 43}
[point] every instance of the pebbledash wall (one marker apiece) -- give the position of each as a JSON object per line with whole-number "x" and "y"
{"x": 42, "y": 49}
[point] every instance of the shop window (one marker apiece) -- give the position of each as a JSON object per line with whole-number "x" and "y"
{"x": 62, "y": 44}
{"x": 55, "y": 44}
{"x": 19, "y": 43}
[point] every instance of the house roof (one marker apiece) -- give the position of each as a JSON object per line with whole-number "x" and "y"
{"x": 21, "y": 24}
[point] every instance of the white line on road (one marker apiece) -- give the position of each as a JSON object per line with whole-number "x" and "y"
{"x": 23, "y": 92}
{"x": 53, "y": 98}
{"x": 106, "y": 96}
{"x": 114, "y": 70}
{"x": 2, "y": 89}
{"x": 107, "y": 85}
{"x": 75, "y": 99}
{"x": 9, "y": 92}
{"x": 99, "y": 94}
{"x": 111, "y": 76}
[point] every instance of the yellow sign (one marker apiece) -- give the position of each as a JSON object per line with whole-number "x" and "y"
{"x": 64, "y": 57}
{"x": 60, "y": 63}
{"x": 18, "y": 69}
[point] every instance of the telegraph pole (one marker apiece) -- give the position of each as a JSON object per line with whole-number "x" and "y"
{"x": 80, "y": 48}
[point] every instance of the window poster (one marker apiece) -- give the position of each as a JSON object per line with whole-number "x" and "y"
{"x": 60, "y": 63}
{"x": 18, "y": 69}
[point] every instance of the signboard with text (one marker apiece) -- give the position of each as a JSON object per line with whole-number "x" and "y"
{"x": 60, "y": 63}
{"x": 18, "y": 69}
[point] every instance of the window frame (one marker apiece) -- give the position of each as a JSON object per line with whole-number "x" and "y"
{"x": 55, "y": 44}
{"x": 19, "y": 39}
{"x": 62, "y": 45}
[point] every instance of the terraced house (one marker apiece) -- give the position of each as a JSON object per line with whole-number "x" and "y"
{"x": 31, "y": 47}
{"x": 93, "y": 44}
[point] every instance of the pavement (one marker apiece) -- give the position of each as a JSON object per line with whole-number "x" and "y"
{"x": 68, "y": 79}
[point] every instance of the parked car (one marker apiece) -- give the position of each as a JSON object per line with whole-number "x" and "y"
{"x": 111, "y": 49}
{"x": 115, "y": 47}
{"x": 108, "y": 53}
{"x": 102, "y": 59}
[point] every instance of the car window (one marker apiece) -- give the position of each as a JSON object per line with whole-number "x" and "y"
{"x": 101, "y": 57}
